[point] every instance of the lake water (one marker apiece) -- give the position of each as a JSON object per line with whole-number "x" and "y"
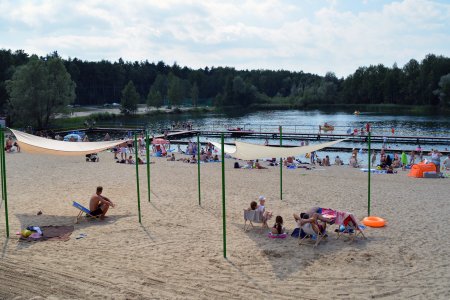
{"x": 308, "y": 122}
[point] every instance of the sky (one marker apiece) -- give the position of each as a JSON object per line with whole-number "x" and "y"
{"x": 313, "y": 36}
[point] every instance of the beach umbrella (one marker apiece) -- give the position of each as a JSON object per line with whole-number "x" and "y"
{"x": 160, "y": 141}
{"x": 74, "y": 136}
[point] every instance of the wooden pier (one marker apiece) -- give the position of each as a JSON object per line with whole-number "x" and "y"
{"x": 295, "y": 136}
{"x": 391, "y": 139}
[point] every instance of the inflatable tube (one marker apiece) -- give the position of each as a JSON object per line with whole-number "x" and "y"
{"x": 277, "y": 236}
{"x": 373, "y": 221}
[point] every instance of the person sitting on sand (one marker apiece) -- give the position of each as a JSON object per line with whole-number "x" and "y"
{"x": 326, "y": 161}
{"x": 9, "y": 144}
{"x": 193, "y": 160}
{"x": 396, "y": 163}
{"x": 258, "y": 165}
{"x": 278, "y": 226}
{"x": 267, "y": 215}
{"x": 338, "y": 161}
{"x": 216, "y": 158}
{"x": 289, "y": 161}
{"x": 171, "y": 158}
{"x": 248, "y": 165}
{"x": 446, "y": 163}
{"x": 99, "y": 204}
{"x": 353, "y": 161}
{"x": 130, "y": 160}
{"x": 17, "y": 146}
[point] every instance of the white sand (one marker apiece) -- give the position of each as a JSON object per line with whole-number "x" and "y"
{"x": 177, "y": 251}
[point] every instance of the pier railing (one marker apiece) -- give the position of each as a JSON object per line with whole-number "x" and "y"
{"x": 314, "y": 129}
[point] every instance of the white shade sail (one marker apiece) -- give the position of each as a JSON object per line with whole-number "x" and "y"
{"x": 247, "y": 151}
{"x": 35, "y": 144}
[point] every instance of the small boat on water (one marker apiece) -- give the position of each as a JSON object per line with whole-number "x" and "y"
{"x": 326, "y": 127}
{"x": 356, "y": 112}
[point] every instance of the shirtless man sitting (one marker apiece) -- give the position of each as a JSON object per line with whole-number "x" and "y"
{"x": 99, "y": 205}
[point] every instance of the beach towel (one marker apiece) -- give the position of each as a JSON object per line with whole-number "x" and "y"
{"x": 51, "y": 233}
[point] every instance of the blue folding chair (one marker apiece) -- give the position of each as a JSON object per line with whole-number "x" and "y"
{"x": 82, "y": 210}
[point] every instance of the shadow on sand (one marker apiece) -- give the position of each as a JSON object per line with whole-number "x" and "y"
{"x": 286, "y": 256}
{"x": 54, "y": 220}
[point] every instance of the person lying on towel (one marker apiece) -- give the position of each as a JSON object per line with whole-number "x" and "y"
{"x": 99, "y": 204}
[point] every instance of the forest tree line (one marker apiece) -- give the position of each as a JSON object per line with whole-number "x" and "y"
{"x": 97, "y": 83}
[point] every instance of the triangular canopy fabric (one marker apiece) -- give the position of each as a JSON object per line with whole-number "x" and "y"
{"x": 35, "y": 144}
{"x": 247, "y": 151}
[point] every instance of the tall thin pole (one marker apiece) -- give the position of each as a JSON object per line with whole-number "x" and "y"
{"x": 281, "y": 164}
{"x": 368, "y": 176}
{"x": 224, "y": 217}
{"x": 137, "y": 176}
{"x": 1, "y": 164}
{"x": 147, "y": 159}
{"x": 198, "y": 170}
{"x": 3, "y": 172}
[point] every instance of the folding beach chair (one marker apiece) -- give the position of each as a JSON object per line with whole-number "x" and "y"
{"x": 311, "y": 239}
{"x": 253, "y": 216}
{"x": 82, "y": 210}
{"x": 352, "y": 229}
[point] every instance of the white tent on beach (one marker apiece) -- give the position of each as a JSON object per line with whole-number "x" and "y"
{"x": 39, "y": 145}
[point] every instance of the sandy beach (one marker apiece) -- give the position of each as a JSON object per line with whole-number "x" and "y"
{"x": 176, "y": 253}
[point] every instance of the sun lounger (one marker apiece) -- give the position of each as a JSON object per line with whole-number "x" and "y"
{"x": 311, "y": 239}
{"x": 253, "y": 216}
{"x": 349, "y": 225}
{"x": 82, "y": 210}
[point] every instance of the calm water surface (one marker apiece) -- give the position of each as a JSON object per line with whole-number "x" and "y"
{"x": 307, "y": 122}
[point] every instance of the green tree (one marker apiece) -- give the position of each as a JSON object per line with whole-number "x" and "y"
{"x": 39, "y": 90}
{"x": 444, "y": 90}
{"x": 154, "y": 98}
{"x": 160, "y": 85}
{"x": 130, "y": 98}
{"x": 175, "y": 90}
{"x": 194, "y": 94}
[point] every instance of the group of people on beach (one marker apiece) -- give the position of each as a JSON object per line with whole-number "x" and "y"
{"x": 400, "y": 160}
{"x": 11, "y": 145}
{"x": 306, "y": 221}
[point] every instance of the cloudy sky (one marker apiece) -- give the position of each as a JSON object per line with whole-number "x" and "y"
{"x": 299, "y": 35}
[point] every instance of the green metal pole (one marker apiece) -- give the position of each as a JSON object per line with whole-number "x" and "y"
{"x": 224, "y": 217}
{"x": 136, "y": 146}
{"x": 281, "y": 165}
{"x": 5, "y": 193}
{"x": 198, "y": 170}
{"x": 368, "y": 162}
{"x": 147, "y": 157}
{"x": 1, "y": 164}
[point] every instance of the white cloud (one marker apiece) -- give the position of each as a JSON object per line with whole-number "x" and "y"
{"x": 308, "y": 35}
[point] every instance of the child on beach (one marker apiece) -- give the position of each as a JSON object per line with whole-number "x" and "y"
{"x": 253, "y": 206}
{"x": 267, "y": 215}
{"x": 278, "y": 227}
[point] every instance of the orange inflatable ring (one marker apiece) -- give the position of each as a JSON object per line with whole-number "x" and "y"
{"x": 372, "y": 221}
